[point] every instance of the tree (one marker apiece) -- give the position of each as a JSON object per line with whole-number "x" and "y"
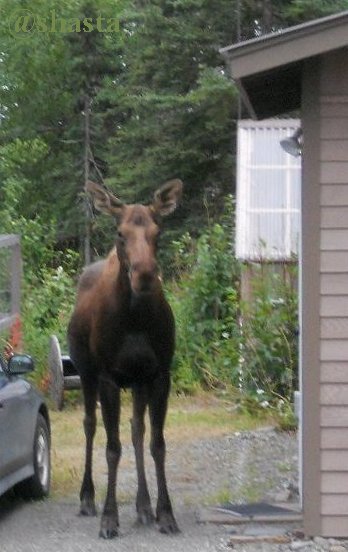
{"x": 258, "y": 17}
{"x": 48, "y": 80}
{"x": 180, "y": 108}
{"x": 131, "y": 108}
{"x": 306, "y": 10}
{"x": 94, "y": 55}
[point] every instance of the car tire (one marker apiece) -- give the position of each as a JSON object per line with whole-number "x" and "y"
{"x": 38, "y": 486}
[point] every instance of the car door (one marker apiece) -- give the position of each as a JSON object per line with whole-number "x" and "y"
{"x": 17, "y": 424}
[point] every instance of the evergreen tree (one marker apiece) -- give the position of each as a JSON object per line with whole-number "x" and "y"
{"x": 299, "y": 11}
{"x": 48, "y": 80}
{"x": 258, "y": 17}
{"x": 131, "y": 108}
{"x": 180, "y": 107}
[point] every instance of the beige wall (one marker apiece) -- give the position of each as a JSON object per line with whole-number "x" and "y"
{"x": 334, "y": 293}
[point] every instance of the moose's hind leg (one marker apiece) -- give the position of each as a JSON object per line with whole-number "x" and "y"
{"x": 157, "y": 409}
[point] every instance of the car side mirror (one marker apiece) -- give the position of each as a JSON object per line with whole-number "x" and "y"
{"x": 20, "y": 364}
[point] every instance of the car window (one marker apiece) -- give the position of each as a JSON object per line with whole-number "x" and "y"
{"x": 2, "y": 364}
{"x": 3, "y": 377}
{"x": 3, "y": 374}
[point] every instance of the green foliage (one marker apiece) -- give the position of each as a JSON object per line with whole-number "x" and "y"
{"x": 305, "y": 10}
{"x": 179, "y": 107}
{"x": 270, "y": 334}
{"x": 206, "y": 303}
{"x": 46, "y": 307}
{"x": 258, "y": 17}
{"x": 45, "y": 78}
{"x": 162, "y": 106}
{"x": 285, "y": 415}
{"x": 222, "y": 342}
{"x": 21, "y": 161}
{"x": 48, "y": 285}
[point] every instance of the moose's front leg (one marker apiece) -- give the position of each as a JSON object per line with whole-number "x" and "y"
{"x": 110, "y": 404}
{"x": 157, "y": 410}
{"x": 87, "y": 507}
{"x": 144, "y": 510}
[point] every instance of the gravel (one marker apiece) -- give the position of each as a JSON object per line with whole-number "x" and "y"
{"x": 241, "y": 467}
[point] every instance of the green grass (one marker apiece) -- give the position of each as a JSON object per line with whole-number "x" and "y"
{"x": 189, "y": 418}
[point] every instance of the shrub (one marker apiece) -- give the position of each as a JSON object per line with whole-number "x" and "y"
{"x": 222, "y": 342}
{"x": 48, "y": 285}
{"x": 269, "y": 366}
{"x": 46, "y": 308}
{"x": 205, "y": 300}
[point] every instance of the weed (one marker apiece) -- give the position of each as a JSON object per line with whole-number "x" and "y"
{"x": 222, "y": 496}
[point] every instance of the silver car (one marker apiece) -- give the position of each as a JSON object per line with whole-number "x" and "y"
{"x": 24, "y": 432}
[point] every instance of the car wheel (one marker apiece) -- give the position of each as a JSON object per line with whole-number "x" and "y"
{"x": 38, "y": 486}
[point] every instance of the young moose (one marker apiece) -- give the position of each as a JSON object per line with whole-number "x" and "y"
{"x": 121, "y": 334}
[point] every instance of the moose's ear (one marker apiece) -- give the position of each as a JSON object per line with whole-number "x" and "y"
{"x": 167, "y": 197}
{"x": 104, "y": 200}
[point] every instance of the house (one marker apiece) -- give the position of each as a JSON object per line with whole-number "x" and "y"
{"x": 306, "y": 68}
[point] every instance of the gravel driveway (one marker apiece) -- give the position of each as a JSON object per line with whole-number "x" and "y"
{"x": 246, "y": 466}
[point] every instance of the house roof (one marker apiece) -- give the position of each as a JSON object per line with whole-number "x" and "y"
{"x": 268, "y": 69}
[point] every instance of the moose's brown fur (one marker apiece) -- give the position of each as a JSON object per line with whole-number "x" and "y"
{"x": 121, "y": 334}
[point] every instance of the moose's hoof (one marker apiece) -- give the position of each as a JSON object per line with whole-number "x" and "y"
{"x": 108, "y": 528}
{"x": 88, "y": 508}
{"x": 145, "y": 516}
{"x": 167, "y": 524}
{"x": 108, "y": 533}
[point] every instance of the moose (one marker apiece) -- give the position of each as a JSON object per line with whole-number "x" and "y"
{"x": 121, "y": 335}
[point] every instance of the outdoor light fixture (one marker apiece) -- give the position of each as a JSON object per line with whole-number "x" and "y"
{"x": 293, "y": 144}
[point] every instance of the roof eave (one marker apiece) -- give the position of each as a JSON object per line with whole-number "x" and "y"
{"x": 290, "y": 45}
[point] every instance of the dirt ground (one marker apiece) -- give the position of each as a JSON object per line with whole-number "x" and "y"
{"x": 53, "y": 526}
{"x": 201, "y": 473}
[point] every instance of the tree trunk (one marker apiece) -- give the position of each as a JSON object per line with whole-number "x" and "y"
{"x": 87, "y": 144}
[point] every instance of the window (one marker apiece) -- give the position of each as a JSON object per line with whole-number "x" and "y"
{"x": 268, "y": 192}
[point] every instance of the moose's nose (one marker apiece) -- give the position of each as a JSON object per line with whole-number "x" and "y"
{"x": 144, "y": 278}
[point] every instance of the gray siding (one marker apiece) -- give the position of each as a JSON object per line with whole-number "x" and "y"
{"x": 334, "y": 294}
{"x": 310, "y": 304}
